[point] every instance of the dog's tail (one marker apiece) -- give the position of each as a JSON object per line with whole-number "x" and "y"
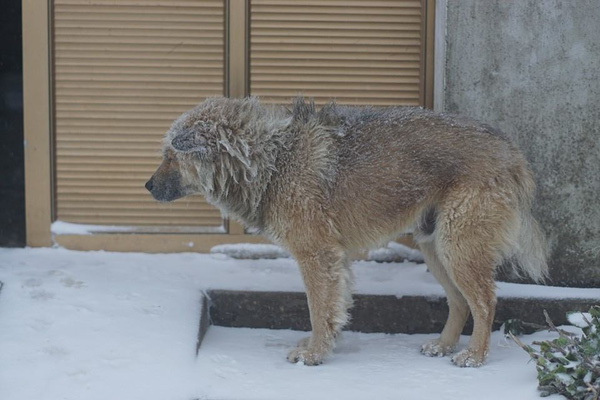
{"x": 530, "y": 253}
{"x": 528, "y": 256}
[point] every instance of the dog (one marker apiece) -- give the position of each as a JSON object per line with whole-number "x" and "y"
{"x": 327, "y": 183}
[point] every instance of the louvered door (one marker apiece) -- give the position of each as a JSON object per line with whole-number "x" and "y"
{"x": 358, "y": 52}
{"x": 123, "y": 70}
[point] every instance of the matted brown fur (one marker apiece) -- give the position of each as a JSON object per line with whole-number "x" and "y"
{"x": 326, "y": 184}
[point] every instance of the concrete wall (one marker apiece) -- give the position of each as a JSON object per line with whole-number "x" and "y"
{"x": 532, "y": 69}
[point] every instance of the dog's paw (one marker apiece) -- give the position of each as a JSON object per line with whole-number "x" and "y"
{"x": 468, "y": 358}
{"x": 306, "y": 356}
{"x": 436, "y": 348}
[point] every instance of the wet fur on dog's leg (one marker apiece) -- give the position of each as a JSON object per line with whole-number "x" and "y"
{"x": 459, "y": 309}
{"x": 475, "y": 229}
{"x": 327, "y": 279}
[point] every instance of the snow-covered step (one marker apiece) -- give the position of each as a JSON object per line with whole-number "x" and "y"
{"x": 250, "y": 364}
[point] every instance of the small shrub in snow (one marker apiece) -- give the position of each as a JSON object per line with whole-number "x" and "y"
{"x": 570, "y": 364}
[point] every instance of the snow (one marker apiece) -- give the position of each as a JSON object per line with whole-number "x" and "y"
{"x": 100, "y": 325}
{"x": 395, "y": 252}
{"x": 68, "y": 228}
{"x": 579, "y": 319}
{"x": 363, "y": 366}
{"x": 248, "y": 251}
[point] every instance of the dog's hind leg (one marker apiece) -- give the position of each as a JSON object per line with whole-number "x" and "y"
{"x": 478, "y": 288}
{"x": 327, "y": 277}
{"x": 472, "y": 234}
{"x": 459, "y": 309}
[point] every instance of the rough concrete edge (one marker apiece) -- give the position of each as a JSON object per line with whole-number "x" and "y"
{"x": 288, "y": 310}
{"x": 204, "y": 322}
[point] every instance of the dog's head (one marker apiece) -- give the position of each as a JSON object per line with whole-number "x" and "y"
{"x": 197, "y": 147}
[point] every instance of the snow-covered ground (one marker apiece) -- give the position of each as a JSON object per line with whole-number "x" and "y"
{"x": 99, "y": 325}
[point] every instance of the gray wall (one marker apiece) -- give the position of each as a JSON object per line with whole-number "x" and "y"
{"x": 532, "y": 69}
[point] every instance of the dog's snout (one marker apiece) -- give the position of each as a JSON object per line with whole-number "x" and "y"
{"x": 149, "y": 185}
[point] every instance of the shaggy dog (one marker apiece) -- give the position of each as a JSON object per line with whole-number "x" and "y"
{"x": 325, "y": 184}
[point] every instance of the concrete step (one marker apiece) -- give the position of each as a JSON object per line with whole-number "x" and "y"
{"x": 370, "y": 313}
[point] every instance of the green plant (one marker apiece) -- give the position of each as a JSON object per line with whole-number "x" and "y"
{"x": 570, "y": 364}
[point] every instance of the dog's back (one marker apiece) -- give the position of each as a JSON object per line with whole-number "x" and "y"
{"x": 378, "y": 169}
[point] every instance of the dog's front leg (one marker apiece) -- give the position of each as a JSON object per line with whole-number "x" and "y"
{"x": 327, "y": 278}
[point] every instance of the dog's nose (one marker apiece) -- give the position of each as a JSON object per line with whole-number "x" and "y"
{"x": 149, "y": 185}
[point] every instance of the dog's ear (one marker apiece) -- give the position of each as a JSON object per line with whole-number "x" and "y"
{"x": 193, "y": 139}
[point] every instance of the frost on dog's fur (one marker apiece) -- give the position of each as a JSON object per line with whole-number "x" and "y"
{"x": 327, "y": 183}
{"x": 232, "y": 147}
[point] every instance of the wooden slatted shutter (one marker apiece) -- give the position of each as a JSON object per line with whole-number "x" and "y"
{"x": 359, "y": 52}
{"x": 123, "y": 70}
